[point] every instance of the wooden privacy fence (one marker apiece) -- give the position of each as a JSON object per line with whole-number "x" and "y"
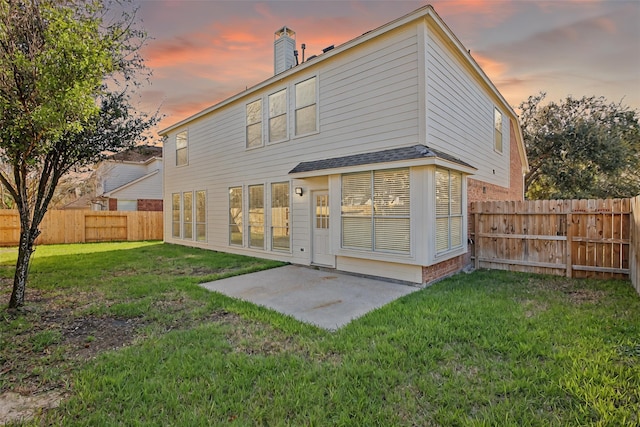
{"x": 576, "y": 238}
{"x": 60, "y": 226}
{"x": 635, "y": 243}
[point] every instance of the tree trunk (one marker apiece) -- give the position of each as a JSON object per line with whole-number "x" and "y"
{"x": 27, "y": 238}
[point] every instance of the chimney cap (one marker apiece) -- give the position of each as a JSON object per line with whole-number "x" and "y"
{"x": 285, "y": 31}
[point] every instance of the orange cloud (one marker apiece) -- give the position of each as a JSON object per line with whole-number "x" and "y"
{"x": 492, "y": 68}
{"x": 607, "y": 25}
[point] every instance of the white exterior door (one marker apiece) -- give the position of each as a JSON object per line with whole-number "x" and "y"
{"x": 321, "y": 245}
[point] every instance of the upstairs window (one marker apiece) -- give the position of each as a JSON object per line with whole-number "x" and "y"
{"x": 448, "y": 210}
{"x": 182, "y": 146}
{"x": 254, "y": 124}
{"x": 278, "y": 116}
{"x": 497, "y": 131}
{"x": 306, "y": 116}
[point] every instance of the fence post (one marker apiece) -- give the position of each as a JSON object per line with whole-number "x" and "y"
{"x": 569, "y": 243}
{"x": 476, "y": 244}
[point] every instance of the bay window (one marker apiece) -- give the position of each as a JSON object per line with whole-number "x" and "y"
{"x": 448, "y": 210}
{"x": 376, "y": 210}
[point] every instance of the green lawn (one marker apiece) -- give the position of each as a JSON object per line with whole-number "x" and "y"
{"x": 125, "y": 332}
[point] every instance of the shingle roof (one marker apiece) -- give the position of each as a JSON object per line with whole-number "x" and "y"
{"x": 392, "y": 155}
{"x": 140, "y": 153}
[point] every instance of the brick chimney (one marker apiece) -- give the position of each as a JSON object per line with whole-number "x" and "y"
{"x": 284, "y": 45}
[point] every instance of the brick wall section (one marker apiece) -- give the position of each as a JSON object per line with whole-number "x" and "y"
{"x": 150, "y": 204}
{"x": 443, "y": 269}
{"x": 113, "y": 204}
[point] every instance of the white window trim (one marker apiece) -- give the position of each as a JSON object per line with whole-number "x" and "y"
{"x": 302, "y": 135}
{"x": 242, "y": 206}
{"x": 179, "y": 236}
{"x": 192, "y": 222}
{"x": 262, "y": 127}
{"x": 451, "y": 250}
{"x": 287, "y": 113}
{"x": 195, "y": 216}
{"x": 247, "y": 227}
{"x": 269, "y": 218}
{"x": 495, "y": 149}
{"x": 186, "y": 132}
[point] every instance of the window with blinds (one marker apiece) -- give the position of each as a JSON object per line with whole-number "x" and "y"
{"x": 280, "y": 231}
{"x": 235, "y": 216}
{"x": 256, "y": 216}
{"x": 448, "y": 210}
{"x": 376, "y": 210}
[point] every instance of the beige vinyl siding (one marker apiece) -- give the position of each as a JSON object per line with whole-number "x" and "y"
{"x": 459, "y": 115}
{"x": 148, "y": 188}
{"x": 118, "y": 174}
{"x": 391, "y": 270}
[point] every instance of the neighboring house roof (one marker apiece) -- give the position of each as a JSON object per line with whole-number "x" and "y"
{"x": 426, "y": 12}
{"x": 139, "y": 154}
{"x": 384, "y": 156}
{"x": 131, "y": 183}
{"x": 84, "y": 202}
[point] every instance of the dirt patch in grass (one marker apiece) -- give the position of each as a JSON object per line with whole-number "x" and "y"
{"x": 16, "y": 407}
{"x": 569, "y": 287}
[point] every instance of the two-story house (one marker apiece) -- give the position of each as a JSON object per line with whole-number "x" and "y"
{"x": 363, "y": 158}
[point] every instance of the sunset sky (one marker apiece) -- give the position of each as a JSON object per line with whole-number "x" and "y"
{"x": 202, "y": 52}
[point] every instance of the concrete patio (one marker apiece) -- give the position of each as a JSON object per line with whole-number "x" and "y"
{"x": 327, "y": 299}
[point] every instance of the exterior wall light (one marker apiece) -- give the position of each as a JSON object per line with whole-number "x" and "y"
{"x": 299, "y": 191}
